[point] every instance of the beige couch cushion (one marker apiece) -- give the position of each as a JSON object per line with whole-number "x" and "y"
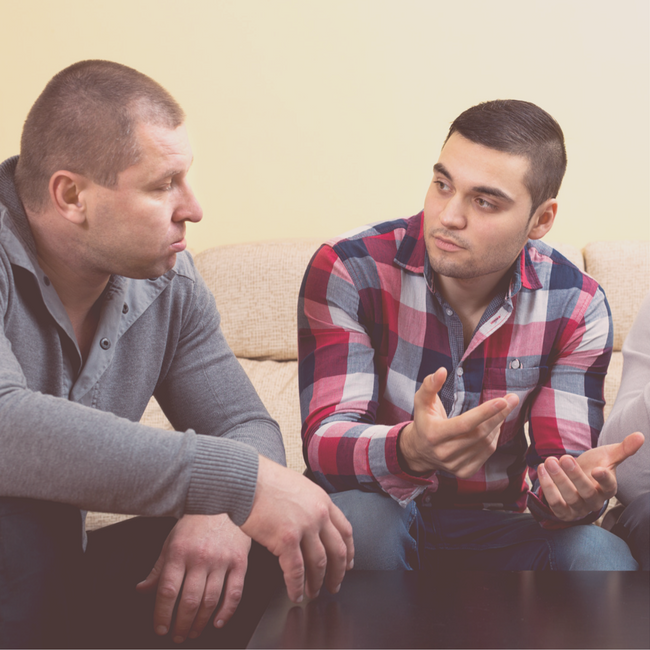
{"x": 622, "y": 268}
{"x": 256, "y": 288}
{"x": 276, "y": 382}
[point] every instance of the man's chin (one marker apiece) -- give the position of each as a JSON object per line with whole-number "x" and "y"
{"x": 453, "y": 270}
{"x": 152, "y": 271}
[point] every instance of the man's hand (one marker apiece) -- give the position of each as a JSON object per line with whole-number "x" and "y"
{"x": 210, "y": 554}
{"x": 574, "y": 487}
{"x": 459, "y": 445}
{"x": 298, "y": 523}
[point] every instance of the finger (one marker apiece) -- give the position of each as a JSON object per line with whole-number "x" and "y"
{"x": 619, "y": 451}
{"x": 189, "y": 604}
{"x": 169, "y": 586}
{"x": 491, "y": 414}
{"x": 589, "y": 497}
{"x": 293, "y": 568}
{"x": 209, "y": 602}
{"x": 344, "y": 528}
{"x": 431, "y": 386}
{"x": 149, "y": 583}
{"x": 607, "y": 480}
{"x": 568, "y": 490}
{"x": 315, "y": 558}
{"x": 233, "y": 592}
{"x": 468, "y": 459}
{"x": 337, "y": 557}
{"x": 552, "y": 493}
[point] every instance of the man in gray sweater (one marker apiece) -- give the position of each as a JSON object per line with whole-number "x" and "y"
{"x": 631, "y": 412}
{"x": 101, "y": 309}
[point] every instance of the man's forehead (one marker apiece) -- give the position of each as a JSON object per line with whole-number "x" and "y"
{"x": 163, "y": 151}
{"x": 467, "y": 161}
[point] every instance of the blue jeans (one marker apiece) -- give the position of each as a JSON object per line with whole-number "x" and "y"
{"x": 387, "y": 536}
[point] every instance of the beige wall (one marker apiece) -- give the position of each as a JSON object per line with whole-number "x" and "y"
{"x": 310, "y": 117}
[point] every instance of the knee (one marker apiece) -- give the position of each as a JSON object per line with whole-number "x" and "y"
{"x": 383, "y": 531}
{"x": 591, "y": 548}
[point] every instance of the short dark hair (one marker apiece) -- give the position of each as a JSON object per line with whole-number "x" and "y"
{"x": 524, "y": 129}
{"x": 84, "y": 121}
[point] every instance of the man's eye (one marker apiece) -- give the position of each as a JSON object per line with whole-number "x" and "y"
{"x": 486, "y": 204}
{"x": 442, "y": 185}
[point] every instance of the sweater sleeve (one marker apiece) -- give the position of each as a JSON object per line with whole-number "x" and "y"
{"x": 631, "y": 411}
{"x": 56, "y": 449}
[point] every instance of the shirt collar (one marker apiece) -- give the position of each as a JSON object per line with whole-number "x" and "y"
{"x": 15, "y": 231}
{"x": 412, "y": 253}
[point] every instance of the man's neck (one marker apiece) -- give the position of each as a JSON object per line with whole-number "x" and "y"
{"x": 78, "y": 288}
{"x": 469, "y": 298}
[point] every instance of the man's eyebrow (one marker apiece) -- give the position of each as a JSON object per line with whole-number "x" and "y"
{"x": 441, "y": 169}
{"x": 493, "y": 191}
{"x": 171, "y": 172}
{"x": 479, "y": 189}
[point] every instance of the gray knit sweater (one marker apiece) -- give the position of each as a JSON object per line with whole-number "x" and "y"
{"x": 69, "y": 430}
{"x": 631, "y": 410}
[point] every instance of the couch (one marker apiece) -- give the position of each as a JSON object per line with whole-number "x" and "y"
{"x": 256, "y": 289}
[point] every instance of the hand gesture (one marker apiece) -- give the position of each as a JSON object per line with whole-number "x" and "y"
{"x": 574, "y": 487}
{"x": 459, "y": 445}
{"x": 207, "y": 555}
{"x": 298, "y": 523}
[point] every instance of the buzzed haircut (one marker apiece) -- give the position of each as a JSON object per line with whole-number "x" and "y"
{"x": 523, "y": 129}
{"x": 85, "y": 122}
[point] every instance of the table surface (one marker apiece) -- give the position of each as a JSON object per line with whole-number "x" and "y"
{"x": 437, "y": 609}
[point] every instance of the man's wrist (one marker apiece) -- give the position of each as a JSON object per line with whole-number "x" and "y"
{"x": 403, "y": 458}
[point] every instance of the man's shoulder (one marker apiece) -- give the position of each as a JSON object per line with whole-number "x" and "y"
{"x": 378, "y": 241}
{"x": 556, "y": 271}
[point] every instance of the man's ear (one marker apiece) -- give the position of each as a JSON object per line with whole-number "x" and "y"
{"x": 67, "y": 192}
{"x": 542, "y": 220}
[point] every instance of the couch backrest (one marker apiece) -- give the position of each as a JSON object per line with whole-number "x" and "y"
{"x": 256, "y": 288}
{"x": 622, "y": 268}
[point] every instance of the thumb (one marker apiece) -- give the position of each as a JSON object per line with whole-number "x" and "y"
{"x": 619, "y": 451}
{"x": 432, "y": 384}
{"x": 150, "y": 582}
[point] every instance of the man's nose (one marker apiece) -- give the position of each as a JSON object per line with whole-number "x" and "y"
{"x": 453, "y": 214}
{"x": 188, "y": 208}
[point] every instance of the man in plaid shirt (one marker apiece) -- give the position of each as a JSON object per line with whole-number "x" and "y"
{"x": 426, "y": 344}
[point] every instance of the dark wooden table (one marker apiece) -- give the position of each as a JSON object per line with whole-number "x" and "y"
{"x": 420, "y": 609}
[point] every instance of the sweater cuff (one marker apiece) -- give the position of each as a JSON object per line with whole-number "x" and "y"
{"x": 224, "y": 478}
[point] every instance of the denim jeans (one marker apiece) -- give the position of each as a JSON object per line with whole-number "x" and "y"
{"x": 387, "y": 536}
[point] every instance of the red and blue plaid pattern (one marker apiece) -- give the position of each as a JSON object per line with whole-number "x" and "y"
{"x": 372, "y": 327}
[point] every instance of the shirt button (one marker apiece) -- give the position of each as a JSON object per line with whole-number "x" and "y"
{"x": 459, "y": 371}
{"x": 125, "y": 309}
{"x": 515, "y": 364}
{"x": 449, "y": 312}
{"x": 46, "y": 281}
{"x": 105, "y": 343}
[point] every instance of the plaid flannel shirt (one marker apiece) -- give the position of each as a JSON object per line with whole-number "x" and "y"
{"x": 371, "y": 327}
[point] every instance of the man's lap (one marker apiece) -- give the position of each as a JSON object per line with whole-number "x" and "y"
{"x": 120, "y": 556}
{"x": 40, "y": 552}
{"x": 54, "y": 595}
{"x": 634, "y": 527}
{"x": 472, "y": 539}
